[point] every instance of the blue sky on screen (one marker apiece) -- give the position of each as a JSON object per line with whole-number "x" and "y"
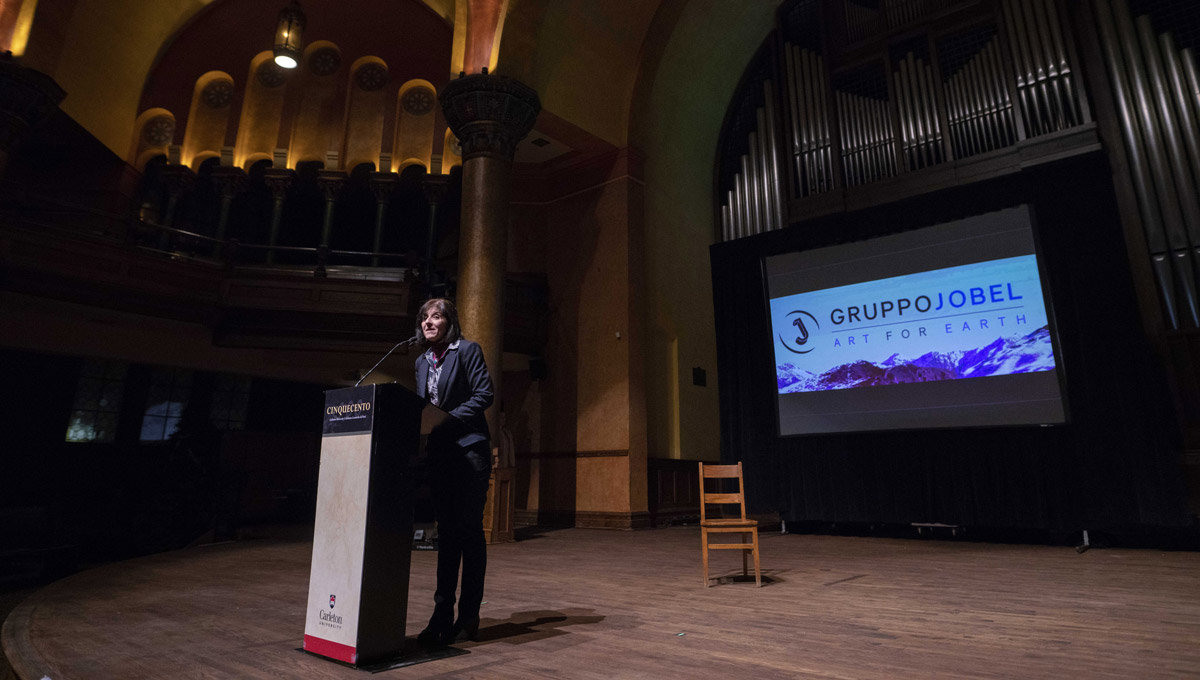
{"x": 979, "y": 303}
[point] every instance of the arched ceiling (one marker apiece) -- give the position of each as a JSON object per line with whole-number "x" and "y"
{"x": 101, "y": 51}
{"x": 582, "y": 57}
{"x": 410, "y": 41}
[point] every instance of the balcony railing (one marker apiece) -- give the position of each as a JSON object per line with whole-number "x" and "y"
{"x": 64, "y": 246}
{"x": 293, "y": 221}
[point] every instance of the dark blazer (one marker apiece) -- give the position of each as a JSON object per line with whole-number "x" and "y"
{"x": 464, "y": 390}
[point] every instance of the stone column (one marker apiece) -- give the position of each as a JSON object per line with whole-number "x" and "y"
{"x": 382, "y": 185}
{"x": 331, "y": 182}
{"x": 229, "y": 182}
{"x": 434, "y": 187}
{"x": 178, "y": 179}
{"x": 26, "y": 98}
{"x": 489, "y": 114}
{"x": 278, "y": 181}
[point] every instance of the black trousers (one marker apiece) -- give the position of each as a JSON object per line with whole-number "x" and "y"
{"x": 459, "y": 482}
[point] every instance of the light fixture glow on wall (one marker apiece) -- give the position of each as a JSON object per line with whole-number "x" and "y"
{"x": 289, "y": 35}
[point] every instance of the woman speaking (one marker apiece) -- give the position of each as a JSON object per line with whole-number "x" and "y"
{"x": 452, "y": 375}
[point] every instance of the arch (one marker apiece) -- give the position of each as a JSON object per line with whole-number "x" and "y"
{"x": 295, "y": 163}
{"x": 317, "y": 125}
{"x": 412, "y": 171}
{"x": 254, "y": 159}
{"x": 201, "y": 158}
{"x": 151, "y": 191}
{"x": 361, "y": 172}
{"x": 256, "y": 169}
{"x": 310, "y": 166}
{"x": 354, "y": 164}
{"x": 153, "y": 131}
{"x": 208, "y": 118}
{"x": 409, "y": 162}
{"x": 366, "y": 101}
{"x": 416, "y": 114}
{"x": 451, "y": 152}
{"x": 262, "y": 109}
{"x": 687, "y": 45}
{"x": 256, "y": 164}
{"x": 146, "y": 156}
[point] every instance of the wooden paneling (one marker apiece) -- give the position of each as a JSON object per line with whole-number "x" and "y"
{"x": 674, "y": 490}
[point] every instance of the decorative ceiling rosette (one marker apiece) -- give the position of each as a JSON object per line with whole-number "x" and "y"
{"x": 217, "y": 94}
{"x": 325, "y": 61}
{"x": 418, "y": 101}
{"x": 270, "y": 75}
{"x": 371, "y": 77}
{"x": 158, "y": 131}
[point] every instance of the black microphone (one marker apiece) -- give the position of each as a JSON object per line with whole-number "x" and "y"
{"x": 406, "y": 343}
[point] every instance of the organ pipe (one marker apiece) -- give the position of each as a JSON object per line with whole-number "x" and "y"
{"x": 810, "y": 126}
{"x": 754, "y": 184}
{"x": 1172, "y": 272}
{"x": 1181, "y": 172}
{"x": 764, "y": 173}
{"x": 1045, "y": 81}
{"x": 775, "y": 180}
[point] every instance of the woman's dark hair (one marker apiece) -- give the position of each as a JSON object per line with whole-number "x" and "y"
{"x": 446, "y": 307}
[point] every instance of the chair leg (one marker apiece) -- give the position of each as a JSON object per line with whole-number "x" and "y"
{"x": 757, "y": 571}
{"x": 704, "y": 554}
{"x": 745, "y": 569}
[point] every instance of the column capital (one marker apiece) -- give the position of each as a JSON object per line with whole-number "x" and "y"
{"x": 228, "y": 180}
{"x": 278, "y": 181}
{"x": 331, "y": 182}
{"x": 489, "y": 114}
{"x": 177, "y": 178}
{"x": 383, "y": 184}
{"x": 434, "y": 187}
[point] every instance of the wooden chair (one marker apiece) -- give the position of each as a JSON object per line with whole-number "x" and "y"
{"x": 727, "y": 526}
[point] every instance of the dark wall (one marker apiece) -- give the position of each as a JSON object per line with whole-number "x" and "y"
{"x": 97, "y": 501}
{"x": 1113, "y": 465}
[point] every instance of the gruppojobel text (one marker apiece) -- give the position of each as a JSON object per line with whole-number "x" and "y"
{"x": 922, "y": 304}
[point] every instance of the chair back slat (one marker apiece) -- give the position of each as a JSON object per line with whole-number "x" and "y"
{"x": 722, "y": 471}
{"x": 719, "y": 498}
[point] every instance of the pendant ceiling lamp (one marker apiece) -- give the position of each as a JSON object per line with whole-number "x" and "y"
{"x": 289, "y": 35}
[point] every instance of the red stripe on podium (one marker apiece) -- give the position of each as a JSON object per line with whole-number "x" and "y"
{"x": 333, "y": 650}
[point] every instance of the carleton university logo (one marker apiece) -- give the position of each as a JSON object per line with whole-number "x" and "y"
{"x": 328, "y": 618}
{"x": 797, "y": 345}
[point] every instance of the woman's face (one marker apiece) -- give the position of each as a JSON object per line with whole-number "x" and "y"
{"x": 433, "y": 325}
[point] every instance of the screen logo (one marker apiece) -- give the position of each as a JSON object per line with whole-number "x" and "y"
{"x": 966, "y": 321}
{"x": 802, "y": 339}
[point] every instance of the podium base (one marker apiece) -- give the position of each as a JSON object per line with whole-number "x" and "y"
{"x": 411, "y": 655}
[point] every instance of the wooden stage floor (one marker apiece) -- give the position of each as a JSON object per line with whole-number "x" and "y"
{"x": 579, "y": 603}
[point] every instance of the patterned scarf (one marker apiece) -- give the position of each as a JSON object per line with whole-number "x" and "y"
{"x": 435, "y": 372}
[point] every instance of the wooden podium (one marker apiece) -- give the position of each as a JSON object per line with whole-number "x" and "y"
{"x": 362, "y": 541}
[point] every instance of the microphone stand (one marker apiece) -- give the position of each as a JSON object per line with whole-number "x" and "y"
{"x": 406, "y": 343}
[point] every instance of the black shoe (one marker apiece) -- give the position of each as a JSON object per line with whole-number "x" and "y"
{"x": 465, "y": 629}
{"x": 434, "y": 637}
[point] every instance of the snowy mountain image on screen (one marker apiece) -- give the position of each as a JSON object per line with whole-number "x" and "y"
{"x": 1004, "y": 356}
{"x": 792, "y": 379}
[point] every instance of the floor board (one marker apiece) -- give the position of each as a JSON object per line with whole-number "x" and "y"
{"x": 602, "y": 604}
